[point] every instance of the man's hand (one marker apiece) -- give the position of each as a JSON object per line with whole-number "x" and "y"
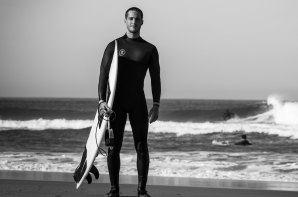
{"x": 153, "y": 114}
{"x": 103, "y": 108}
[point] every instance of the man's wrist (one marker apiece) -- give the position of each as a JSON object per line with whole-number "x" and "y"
{"x": 156, "y": 104}
{"x": 100, "y": 102}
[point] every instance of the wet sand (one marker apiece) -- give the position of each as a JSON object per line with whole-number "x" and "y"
{"x": 39, "y": 184}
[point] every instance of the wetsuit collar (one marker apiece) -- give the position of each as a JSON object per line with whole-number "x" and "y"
{"x": 134, "y": 39}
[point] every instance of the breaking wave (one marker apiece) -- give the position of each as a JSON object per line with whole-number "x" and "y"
{"x": 43, "y": 124}
{"x": 281, "y": 119}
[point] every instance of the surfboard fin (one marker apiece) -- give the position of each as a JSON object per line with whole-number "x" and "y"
{"x": 79, "y": 172}
{"x": 94, "y": 171}
{"x": 89, "y": 178}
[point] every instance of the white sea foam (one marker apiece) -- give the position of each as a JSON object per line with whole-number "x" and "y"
{"x": 42, "y": 124}
{"x": 204, "y": 128}
{"x": 197, "y": 164}
{"x": 163, "y": 127}
{"x": 284, "y": 112}
{"x": 252, "y": 124}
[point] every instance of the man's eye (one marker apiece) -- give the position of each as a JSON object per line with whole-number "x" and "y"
{"x": 131, "y": 18}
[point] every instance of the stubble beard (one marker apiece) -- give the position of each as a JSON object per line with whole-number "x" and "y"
{"x": 134, "y": 30}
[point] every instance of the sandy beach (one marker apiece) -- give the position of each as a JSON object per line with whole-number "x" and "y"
{"x": 25, "y": 184}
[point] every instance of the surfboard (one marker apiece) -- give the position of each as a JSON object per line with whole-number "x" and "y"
{"x": 97, "y": 131}
{"x": 220, "y": 143}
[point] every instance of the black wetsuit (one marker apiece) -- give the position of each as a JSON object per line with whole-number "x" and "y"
{"x": 135, "y": 57}
{"x": 244, "y": 142}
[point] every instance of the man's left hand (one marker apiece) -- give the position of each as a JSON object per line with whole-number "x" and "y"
{"x": 153, "y": 114}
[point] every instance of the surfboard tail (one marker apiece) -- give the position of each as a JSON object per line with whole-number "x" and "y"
{"x": 81, "y": 171}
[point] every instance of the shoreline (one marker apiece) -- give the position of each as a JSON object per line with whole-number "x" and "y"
{"x": 8, "y": 175}
{"x": 17, "y": 188}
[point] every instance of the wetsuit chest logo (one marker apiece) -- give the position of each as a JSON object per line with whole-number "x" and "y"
{"x": 122, "y": 52}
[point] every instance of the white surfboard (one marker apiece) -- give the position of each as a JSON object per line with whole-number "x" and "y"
{"x": 97, "y": 130}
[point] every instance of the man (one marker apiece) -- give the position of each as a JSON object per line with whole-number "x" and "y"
{"x": 135, "y": 57}
{"x": 244, "y": 141}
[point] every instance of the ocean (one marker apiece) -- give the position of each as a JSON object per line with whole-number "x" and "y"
{"x": 192, "y": 138}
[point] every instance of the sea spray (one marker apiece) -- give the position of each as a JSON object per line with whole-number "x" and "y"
{"x": 283, "y": 112}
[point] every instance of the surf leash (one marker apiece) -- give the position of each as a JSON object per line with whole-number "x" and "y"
{"x": 107, "y": 115}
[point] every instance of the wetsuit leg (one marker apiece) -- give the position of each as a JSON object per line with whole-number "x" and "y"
{"x": 139, "y": 122}
{"x": 113, "y": 159}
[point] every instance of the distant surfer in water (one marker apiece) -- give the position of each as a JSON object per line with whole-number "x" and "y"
{"x": 227, "y": 115}
{"x": 135, "y": 57}
{"x": 244, "y": 141}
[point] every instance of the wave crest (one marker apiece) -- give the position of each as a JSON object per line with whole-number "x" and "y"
{"x": 227, "y": 127}
{"x": 43, "y": 124}
{"x": 284, "y": 112}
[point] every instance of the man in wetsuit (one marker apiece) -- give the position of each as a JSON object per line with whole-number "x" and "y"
{"x": 244, "y": 141}
{"x": 135, "y": 57}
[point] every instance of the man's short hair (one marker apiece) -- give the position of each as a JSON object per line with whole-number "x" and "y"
{"x": 134, "y": 9}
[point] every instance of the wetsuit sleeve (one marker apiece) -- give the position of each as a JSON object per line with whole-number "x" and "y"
{"x": 154, "y": 70}
{"x": 104, "y": 71}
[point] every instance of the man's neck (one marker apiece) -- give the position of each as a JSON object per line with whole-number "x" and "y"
{"x": 132, "y": 35}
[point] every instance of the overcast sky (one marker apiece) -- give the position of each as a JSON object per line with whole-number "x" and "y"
{"x": 209, "y": 49}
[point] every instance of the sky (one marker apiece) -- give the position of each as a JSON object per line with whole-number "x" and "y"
{"x": 209, "y": 49}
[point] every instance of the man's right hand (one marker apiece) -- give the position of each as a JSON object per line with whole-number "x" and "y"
{"x": 103, "y": 108}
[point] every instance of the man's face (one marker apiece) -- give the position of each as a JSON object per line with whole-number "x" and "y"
{"x": 133, "y": 21}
